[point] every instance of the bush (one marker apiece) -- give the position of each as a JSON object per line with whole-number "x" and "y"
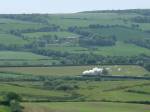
{"x": 147, "y": 66}
{"x": 15, "y": 106}
{"x": 11, "y": 97}
{"x": 66, "y": 87}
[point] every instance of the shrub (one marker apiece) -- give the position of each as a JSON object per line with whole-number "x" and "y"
{"x": 15, "y": 106}
{"x": 11, "y": 97}
{"x": 66, "y": 87}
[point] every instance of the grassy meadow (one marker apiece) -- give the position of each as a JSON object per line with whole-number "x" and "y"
{"x": 84, "y": 107}
{"x": 127, "y": 70}
{"x": 14, "y": 55}
{"x": 4, "y": 109}
{"x": 40, "y": 56}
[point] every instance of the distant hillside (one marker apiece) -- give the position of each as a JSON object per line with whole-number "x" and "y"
{"x": 90, "y": 37}
{"x": 138, "y": 11}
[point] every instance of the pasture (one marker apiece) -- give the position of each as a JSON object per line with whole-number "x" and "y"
{"x": 84, "y": 107}
{"x": 120, "y": 49}
{"x": 41, "y": 34}
{"x": 127, "y": 70}
{"x": 4, "y": 109}
{"x": 14, "y": 55}
{"x": 7, "y": 39}
{"x": 20, "y": 58}
{"x": 57, "y": 40}
{"x": 122, "y": 91}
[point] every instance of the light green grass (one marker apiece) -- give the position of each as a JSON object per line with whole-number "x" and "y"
{"x": 4, "y": 109}
{"x": 84, "y": 19}
{"x": 7, "y": 39}
{"x": 121, "y": 33}
{"x": 20, "y": 26}
{"x": 89, "y": 90}
{"x": 70, "y": 49}
{"x": 127, "y": 70}
{"x": 84, "y": 107}
{"x": 20, "y": 55}
{"x": 112, "y": 90}
{"x": 122, "y": 49}
{"x": 145, "y": 89}
{"x": 30, "y": 91}
{"x": 9, "y": 21}
{"x": 41, "y": 34}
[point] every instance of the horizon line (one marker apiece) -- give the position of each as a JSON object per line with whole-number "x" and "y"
{"x": 79, "y": 11}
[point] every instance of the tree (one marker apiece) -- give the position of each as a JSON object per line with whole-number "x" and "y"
{"x": 147, "y": 66}
{"x": 11, "y": 97}
{"x": 66, "y": 87}
{"x": 15, "y": 106}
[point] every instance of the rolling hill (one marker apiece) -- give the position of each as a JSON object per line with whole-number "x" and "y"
{"x": 59, "y": 36}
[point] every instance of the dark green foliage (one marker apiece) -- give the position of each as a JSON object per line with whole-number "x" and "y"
{"x": 147, "y": 66}
{"x": 140, "y": 19}
{"x": 27, "y": 17}
{"x": 15, "y": 106}
{"x": 96, "y": 40}
{"x": 86, "y": 41}
{"x": 66, "y": 87}
{"x": 145, "y": 12}
{"x": 140, "y": 42}
{"x": 9, "y": 97}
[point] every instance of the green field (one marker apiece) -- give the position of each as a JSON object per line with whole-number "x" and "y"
{"x": 120, "y": 33}
{"x": 20, "y": 32}
{"x": 18, "y": 58}
{"x": 29, "y": 91}
{"x": 127, "y": 70}
{"x": 120, "y": 49}
{"x": 23, "y": 84}
{"x": 6, "y": 55}
{"x": 84, "y": 107}
{"x": 59, "y": 34}
{"x": 84, "y": 19}
{"x": 86, "y": 91}
{"x": 43, "y": 56}
{"x": 4, "y": 109}
{"x": 11, "y": 40}
{"x": 19, "y": 26}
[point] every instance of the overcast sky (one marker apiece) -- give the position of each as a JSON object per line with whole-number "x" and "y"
{"x": 68, "y": 6}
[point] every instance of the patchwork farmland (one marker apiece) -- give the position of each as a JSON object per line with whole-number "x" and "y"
{"x": 96, "y": 61}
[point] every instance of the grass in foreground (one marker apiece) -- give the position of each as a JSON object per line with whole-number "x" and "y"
{"x": 84, "y": 107}
{"x": 4, "y": 109}
{"x": 87, "y": 90}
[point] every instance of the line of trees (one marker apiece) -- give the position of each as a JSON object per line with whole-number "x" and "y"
{"x": 97, "y": 40}
{"x": 140, "y": 19}
{"x": 145, "y": 12}
{"x": 88, "y": 59}
{"x": 140, "y": 42}
{"x": 89, "y": 38}
{"x": 38, "y": 18}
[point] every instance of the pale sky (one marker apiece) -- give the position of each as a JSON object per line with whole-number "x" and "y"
{"x": 68, "y": 6}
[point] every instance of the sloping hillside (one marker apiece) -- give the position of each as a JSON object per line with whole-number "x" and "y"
{"x": 79, "y": 38}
